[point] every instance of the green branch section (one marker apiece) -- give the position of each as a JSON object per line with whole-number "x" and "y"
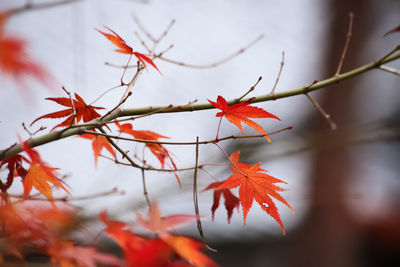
{"x": 81, "y": 128}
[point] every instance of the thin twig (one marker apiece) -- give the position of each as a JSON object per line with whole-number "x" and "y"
{"x": 144, "y": 30}
{"x": 142, "y": 42}
{"x": 383, "y": 59}
{"x": 113, "y": 191}
{"x": 72, "y": 105}
{"x": 346, "y": 45}
{"x": 150, "y": 168}
{"x": 117, "y": 106}
{"x": 279, "y": 73}
{"x": 217, "y": 63}
{"x": 26, "y": 129}
{"x": 249, "y": 91}
{"x": 164, "y": 51}
{"x": 195, "y": 198}
{"x": 29, "y": 6}
{"x": 120, "y": 150}
{"x": 390, "y": 69}
{"x": 166, "y": 31}
{"x": 104, "y": 93}
{"x": 328, "y": 118}
{"x": 123, "y": 73}
{"x": 232, "y": 163}
{"x": 130, "y": 85}
{"x": 186, "y": 143}
{"x": 219, "y": 127}
{"x": 146, "y": 195}
{"x": 42, "y": 128}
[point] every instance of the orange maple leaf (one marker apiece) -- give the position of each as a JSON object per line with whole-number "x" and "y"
{"x": 190, "y": 250}
{"x": 241, "y": 112}
{"x": 231, "y": 201}
{"x": 158, "y": 150}
{"x": 160, "y": 225}
{"x": 15, "y": 60}
{"x": 98, "y": 143}
{"x": 126, "y": 49}
{"x": 40, "y": 175}
{"x": 254, "y": 184}
{"x": 83, "y": 111}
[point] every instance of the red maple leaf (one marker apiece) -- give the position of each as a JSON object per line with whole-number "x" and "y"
{"x": 98, "y": 143}
{"x": 158, "y": 150}
{"x": 156, "y": 252}
{"x": 231, "y": 201}
{"x": 40, "y": 175}
{"x": 15, "y": 168}
{"x": 241, "y": 112}
{"x": 254, "y": 184}
{"x": 126, "y": 49}
{"x": 83, "y": 111}
{"x": 15, "y": 60}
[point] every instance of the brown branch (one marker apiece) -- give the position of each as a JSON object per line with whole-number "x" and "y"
{"x": 57, "y": 135}
{"x": 346, "y": 45}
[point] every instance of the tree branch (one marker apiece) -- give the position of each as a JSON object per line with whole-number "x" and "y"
{"x": 79, "y": 129}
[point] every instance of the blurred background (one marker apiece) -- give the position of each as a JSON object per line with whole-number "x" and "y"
{"x": 344, "y": 185}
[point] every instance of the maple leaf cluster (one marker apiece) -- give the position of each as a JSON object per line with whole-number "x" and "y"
{"x": 166, "y": 249}
{"x": 39, "y": 175}
{"x": 30, "y": 226}
{"x": 43, "y": 227}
